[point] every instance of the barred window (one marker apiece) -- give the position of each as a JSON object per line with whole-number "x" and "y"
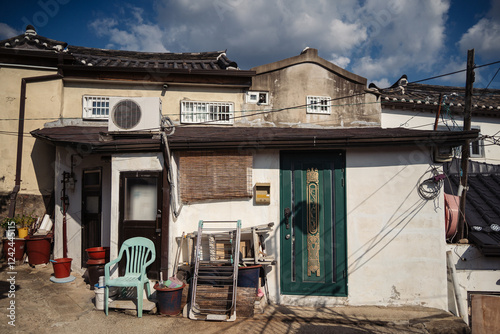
{"x": 95, "y": 107}
{"x": 207, "y": 112}
{"x": 318, "y": 105}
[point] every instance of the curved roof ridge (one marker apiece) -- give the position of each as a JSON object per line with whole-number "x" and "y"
{"x": 309, "y": 55}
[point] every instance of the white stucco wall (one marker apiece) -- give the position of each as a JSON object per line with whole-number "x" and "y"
{"x": 396, "y": 249}
{"x": 81, "y": 160}
{"x": 265, "y": 170}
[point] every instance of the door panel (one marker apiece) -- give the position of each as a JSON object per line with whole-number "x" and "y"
{"x": 140, "y": 212}
{"x": 313, "y": 247}
{"x": 91, "y": 211}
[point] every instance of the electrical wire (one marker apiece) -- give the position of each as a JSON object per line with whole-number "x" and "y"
{"x": 430, "y": 188}
{"x": 455, "y": 72}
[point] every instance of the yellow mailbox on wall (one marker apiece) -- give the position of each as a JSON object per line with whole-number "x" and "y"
{"x": 262, "y": 193}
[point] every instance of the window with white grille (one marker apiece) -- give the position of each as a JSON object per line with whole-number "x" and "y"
{"x": 96, "y": 107}
{"x": 318, "y": 105}
{"x": 207, "y": 112}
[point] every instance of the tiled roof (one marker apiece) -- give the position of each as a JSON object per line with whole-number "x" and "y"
{"x": 416, "y": 95}
{"x": 216, "y": 60}
{"x": 482, "y": 208}
{"x": 102, "y": 58}
{"x": 30, "y": 40}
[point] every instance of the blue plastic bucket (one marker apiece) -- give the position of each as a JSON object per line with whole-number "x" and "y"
{"x": 248, "y": 277}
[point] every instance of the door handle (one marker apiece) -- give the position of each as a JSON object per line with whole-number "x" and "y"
{"x": 287, "y": 213}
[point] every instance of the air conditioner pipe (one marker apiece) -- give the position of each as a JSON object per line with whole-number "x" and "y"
{"x": 20, "y": 133}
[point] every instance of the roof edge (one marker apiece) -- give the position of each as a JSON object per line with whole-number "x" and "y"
{"x": 309, "y": 55}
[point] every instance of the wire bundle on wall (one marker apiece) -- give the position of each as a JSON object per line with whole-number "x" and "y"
{"x": 430, "y": 188}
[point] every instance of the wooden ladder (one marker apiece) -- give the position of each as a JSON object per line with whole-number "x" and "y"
{"x": 215, "y": 277}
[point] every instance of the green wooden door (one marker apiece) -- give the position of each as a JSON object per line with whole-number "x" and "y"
{"x": 313, "y": 225}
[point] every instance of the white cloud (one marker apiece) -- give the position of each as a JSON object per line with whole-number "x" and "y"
{"x": 135, "y": 33}
{"x": 378, "y": 39}
{"x": 260, "y": 31}
{"x": 373, "y": 38}
{"x": 402, "y": 35}
{"x": 340, "y": 61}
{"x": 382, "y": 83}
{"x": 7, "y": 31}
{"x": 484, "y": 37}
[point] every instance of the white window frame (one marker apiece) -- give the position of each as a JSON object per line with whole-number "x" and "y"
{"x": 196, "y": 112}
{"x": 479, "y": 146}
{"x": 319, "y": 105}
{"x": 95, "y": 107}
{"x": 259, "y": 98}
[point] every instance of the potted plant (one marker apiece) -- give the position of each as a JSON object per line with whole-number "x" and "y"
{"x": 23, "y": 224}
{"x": 13, "y": 248}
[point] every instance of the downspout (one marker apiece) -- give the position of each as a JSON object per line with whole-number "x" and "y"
{"x": 20, "y": 133}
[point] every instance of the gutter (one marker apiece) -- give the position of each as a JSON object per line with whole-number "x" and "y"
{"x": 20, "y": 132}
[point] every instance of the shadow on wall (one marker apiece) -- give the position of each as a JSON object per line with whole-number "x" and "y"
{"x": 42, "y": 158}
{"x": 4, "y": 205}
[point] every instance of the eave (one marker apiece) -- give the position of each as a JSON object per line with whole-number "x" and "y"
{"x": 218, "y": 137}
{"x": 186, "y": 76}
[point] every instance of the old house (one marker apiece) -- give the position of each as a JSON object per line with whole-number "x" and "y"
{"x": 349, "y": 199}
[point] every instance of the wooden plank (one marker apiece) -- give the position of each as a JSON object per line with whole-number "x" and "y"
{"x": 485, "y": 311}
{"x": 255, "y": 244}
{"x": 219, "y": 298}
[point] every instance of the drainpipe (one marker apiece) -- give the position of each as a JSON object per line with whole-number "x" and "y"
{"x": 20, "y": 133}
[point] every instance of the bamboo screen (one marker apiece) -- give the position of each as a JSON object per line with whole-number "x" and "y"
{"x": 206, "y": 175}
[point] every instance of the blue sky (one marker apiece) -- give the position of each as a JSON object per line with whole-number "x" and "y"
{"x": 377, "y": 39}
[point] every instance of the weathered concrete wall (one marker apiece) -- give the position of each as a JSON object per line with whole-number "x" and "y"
{"x": 290, "y": 81}
{"x": 43, "y": 104}
{"x": 171, "y": 97}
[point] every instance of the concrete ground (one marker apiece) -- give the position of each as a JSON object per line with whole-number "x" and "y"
{"x": 30, "y": 301}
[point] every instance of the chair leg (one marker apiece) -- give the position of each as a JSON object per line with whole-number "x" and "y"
{"x": 140, "y": 290}
{"x": 106, "y": 293}
{"x": 148, "y": 289}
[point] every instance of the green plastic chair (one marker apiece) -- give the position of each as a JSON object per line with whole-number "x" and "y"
{"x": 140, "y": 253}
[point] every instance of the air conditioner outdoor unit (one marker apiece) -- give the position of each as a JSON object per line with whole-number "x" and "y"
{"x": 134, "y": 114}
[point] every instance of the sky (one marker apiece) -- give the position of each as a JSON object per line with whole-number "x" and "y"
{"x": 376, "y": 39}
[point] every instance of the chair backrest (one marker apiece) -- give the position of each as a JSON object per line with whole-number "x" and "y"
{"x": 140, "y": 252}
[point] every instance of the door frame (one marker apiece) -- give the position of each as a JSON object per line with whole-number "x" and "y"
{"x": 98, "y": 191}
{"x": 336, "y": 160}
{"x": 154, "y": 269}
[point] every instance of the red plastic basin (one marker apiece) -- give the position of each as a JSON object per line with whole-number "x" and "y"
{"x": 97, "y": 253}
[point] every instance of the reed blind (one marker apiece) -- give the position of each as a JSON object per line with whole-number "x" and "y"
{"x": 206, "y": 175}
